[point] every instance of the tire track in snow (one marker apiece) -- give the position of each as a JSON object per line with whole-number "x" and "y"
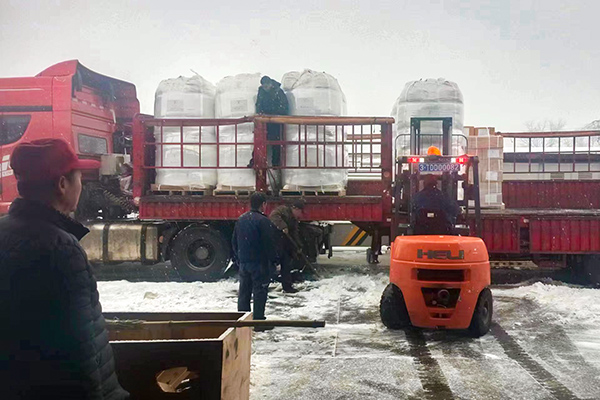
{"x": 539, "y": 373}
{"x": 430, "y": 373}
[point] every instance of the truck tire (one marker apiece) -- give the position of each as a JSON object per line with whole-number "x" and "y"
{"x": 200, "y": 253}
{"x": 392, "y": 308}
{"x": 482, "y": 315}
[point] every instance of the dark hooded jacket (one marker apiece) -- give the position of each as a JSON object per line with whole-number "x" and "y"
{"x": 273, "y": 102}
{"x": 53, "y": 342}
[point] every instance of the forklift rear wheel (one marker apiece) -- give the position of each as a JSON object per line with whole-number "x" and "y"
{"x": 482, "y": 316}
{"x": 392, "y": 308}
{"x": 200, "y": 253}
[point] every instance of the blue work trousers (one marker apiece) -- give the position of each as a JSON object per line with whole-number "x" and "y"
{"x": 254, "y": 280}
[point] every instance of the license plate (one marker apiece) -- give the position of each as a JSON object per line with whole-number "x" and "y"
{"x": 438, "y": 167}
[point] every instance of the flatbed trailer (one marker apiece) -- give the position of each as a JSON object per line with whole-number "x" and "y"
{"x": 550, "y": 236}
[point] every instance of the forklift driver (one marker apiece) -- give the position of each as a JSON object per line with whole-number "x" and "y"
{"x": 435, "y": 212}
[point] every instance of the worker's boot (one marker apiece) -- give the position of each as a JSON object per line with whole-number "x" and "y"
{"x": 288, "y": 288}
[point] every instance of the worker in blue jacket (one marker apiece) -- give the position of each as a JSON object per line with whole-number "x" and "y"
{"x": 255, "y": 252}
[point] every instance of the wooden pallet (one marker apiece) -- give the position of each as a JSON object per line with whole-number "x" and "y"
{"x": 233, "y": 191}
{"x": 173, "y": 190}
{"x": 311, "y": 193}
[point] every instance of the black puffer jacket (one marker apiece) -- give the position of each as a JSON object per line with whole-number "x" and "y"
{"x": 53, "y": 342}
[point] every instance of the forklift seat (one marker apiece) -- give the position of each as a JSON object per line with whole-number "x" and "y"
{"x": 433, "y": 222}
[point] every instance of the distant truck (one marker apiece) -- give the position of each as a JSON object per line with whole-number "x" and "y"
{"x": 90, "y": 111}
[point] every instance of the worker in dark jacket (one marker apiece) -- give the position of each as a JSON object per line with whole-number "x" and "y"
{"x": 285, "y": 218}
{"x": 255, "y": 252}
{"x": 53, "y": 344}
{"x": 432, "y": 199}
{"x": 271, "y": 100}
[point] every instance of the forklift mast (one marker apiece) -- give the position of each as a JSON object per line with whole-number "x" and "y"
{"x": 451, "y": 169}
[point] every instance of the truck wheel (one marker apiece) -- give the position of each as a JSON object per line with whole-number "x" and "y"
{"x": 482, "y": 315}
{"x": 392, "y": 308}
{"x": 200, "y": 253}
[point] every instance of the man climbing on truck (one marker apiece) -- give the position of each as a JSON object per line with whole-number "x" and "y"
{"x": 271, "y": 100}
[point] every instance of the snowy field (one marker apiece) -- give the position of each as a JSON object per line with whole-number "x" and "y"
{"x": 545, "y": 342}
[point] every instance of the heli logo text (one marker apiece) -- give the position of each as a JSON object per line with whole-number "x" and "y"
{"x": 440, "y": 254}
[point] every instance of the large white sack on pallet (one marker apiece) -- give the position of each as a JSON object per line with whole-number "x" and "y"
{"x": 204, "y": 155}
{"x": 313, "y": 93}
{"x": 185, "y": 98}
{"x": 236, "y": 96}
{"x": 313, "y": 156}
{"x": 237, "y": 178}
{"x": 314, "y": 133}
{"x": 428, "y": 98}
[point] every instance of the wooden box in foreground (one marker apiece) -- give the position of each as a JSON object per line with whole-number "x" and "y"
{"x": 157, "y": 361}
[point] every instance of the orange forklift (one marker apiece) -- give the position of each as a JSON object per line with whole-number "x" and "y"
{"x": 439, "y": 271}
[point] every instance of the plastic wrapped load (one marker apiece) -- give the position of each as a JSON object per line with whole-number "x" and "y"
{"x": 428, "y": 98}
{"x": 185, "y": 98}
{"x": 204, "y": 155}
{"x": 488, "y": 147}
{"x": 313, "y": 93}
{"x": 236, "y": 98}
{"x": 228, "y": 155}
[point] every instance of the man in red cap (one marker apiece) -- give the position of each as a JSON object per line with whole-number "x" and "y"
{"x": 53, "y": 343}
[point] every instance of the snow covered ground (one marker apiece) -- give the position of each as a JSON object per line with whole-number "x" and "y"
{"x": 545, "y": 342}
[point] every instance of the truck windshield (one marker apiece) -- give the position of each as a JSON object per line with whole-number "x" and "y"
{"x": 12, "y": 127}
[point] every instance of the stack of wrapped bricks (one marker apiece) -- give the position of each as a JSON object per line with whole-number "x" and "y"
{"x": 488, "y": 147}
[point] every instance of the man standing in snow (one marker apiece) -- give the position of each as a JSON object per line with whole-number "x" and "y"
{"x": 255, "y": 252}
{"x": 54, "y": 344}
{"x": 285, "y": 218}
{"x": 271, "y": 100}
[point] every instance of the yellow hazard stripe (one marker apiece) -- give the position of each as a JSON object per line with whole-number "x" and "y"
{"x": 361, "y": 238}
{"x": 355, "y": 238}
{"x": 351, "y": 236}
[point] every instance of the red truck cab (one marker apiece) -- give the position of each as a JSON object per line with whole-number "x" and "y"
{"x": 90, "y": 111}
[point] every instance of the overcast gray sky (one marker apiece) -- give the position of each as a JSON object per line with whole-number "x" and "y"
{"x": 514, "y": 61}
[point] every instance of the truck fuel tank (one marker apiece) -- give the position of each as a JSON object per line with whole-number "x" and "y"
{"x": 121, "y": 242}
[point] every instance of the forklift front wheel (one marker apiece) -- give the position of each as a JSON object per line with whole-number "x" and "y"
{"x": 482, "y": 316}
{"x": 392, "y": 308}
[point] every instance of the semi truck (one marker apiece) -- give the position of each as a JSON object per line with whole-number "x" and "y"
{"x": 551, "y": 218}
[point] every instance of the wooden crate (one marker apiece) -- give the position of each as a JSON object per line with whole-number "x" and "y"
{"x": 216, "y": 358}
{"x": 173, "y": 190}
